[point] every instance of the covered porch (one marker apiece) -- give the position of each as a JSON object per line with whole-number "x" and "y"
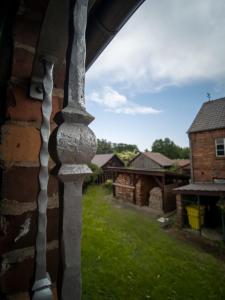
{"x": 200, "y": 206}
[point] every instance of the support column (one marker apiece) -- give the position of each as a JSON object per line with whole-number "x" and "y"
{"x": 76, "y": 146}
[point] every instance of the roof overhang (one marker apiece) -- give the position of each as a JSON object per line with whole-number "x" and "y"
{"x": 158, "y": 173}
{"x": 105, "y": 19}
{"x": 202, "y": 189}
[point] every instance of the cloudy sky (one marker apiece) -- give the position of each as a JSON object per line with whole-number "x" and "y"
{"x": 153, "y": 77}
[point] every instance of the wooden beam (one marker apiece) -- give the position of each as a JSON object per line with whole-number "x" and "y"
{"x": 124, "y": 186}
{"x": 158, "y": 181}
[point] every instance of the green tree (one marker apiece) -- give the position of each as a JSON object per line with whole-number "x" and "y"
{"x": 121, "y": 147}
{"x": 105, "y": 146}
{"x": 170, "y": 149}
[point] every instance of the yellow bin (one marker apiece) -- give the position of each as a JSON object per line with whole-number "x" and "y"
{"x": 195, "y": 215}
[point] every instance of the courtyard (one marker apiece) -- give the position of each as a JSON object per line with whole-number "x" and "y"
{"x": 126, "y": 255}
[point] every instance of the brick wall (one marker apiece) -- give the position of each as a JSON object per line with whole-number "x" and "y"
{"x": 19, "y": 154}
{"x": 123, "y": 191}
{"x": 138, "y": 191}
{"x": 206, "y": 166}
{"x": 143, "y": 188}
{"x": 134, "y": 191}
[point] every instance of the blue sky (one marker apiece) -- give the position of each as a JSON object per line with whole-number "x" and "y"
{"x": 151, "y": 80}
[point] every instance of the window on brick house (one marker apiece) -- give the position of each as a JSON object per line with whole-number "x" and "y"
{"x": 220, "y": 147}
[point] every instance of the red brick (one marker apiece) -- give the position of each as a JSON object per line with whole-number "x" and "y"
{"x": 20, "y": 275}
{"x": 7, "y": 240}
{"x": 22, "y": 64}
{"x": 206, "y": 166}
{"x": 25, "y": 180}
{"x": 22, "y": 108}
{"x": 20, "y": 144}
{"x": 60, "y": 77}
{"x": 27, "y": 30}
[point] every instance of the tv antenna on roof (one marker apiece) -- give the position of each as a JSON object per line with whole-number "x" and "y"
{"x": 209, "y": 96}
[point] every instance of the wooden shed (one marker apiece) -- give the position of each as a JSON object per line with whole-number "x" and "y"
{"x": 104, "y": 162}
{"x": 107, "y": 160}
{"x": 150, "y": 161}
{"x": 147, "y": 188}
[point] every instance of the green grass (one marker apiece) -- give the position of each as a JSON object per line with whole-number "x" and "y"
{"x": 125, "y": 255}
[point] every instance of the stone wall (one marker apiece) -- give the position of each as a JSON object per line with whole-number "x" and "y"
{"x": 19, "y": 153}
{"x": 156, "y": 199}
{"x": 206, "y": 166}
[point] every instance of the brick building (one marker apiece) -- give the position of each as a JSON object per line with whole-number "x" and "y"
{"x": 207, "y": 143}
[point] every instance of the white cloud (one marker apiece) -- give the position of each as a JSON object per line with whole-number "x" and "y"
{"x": 108, "y": 97}
{"x": 113, "y": 101}
{"x": 166, "y": 43}
{"x": 136, "y": 109}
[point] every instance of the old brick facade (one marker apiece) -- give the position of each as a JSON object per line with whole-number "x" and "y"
{"x": 206, "y": 166}
{"x": 19, "y": 153}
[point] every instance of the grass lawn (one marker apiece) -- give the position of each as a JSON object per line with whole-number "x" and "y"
{"x": 125, "y": 255}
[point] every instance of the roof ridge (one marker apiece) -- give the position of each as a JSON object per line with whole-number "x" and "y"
{"x": 218, "y": 99}
{"x": 210, "y": 116}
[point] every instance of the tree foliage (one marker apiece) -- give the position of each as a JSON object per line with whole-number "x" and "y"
{"x": 92, "y": 178}
{"x": 170, "y": 149}
{"x": 126, "y": 156}
{"x": 105, "y": 147}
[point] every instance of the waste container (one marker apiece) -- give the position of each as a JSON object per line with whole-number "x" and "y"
{"x": 195, "y": 215}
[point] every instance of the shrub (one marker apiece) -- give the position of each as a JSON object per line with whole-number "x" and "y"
{"x": 108, "y": 184}
{"x": 92, "y": 178}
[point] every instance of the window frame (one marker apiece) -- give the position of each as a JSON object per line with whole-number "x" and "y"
{"x": 216, "y": 145}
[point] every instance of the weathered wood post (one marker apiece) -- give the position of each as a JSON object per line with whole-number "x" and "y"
{"x": 76, "y": 146}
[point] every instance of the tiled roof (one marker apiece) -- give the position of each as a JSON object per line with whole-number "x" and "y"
{"x": 101, "y": 159}
{"x": 159, "y": 158}
{"x": 211, "y": 116}
{"x": 181, "y": 162}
